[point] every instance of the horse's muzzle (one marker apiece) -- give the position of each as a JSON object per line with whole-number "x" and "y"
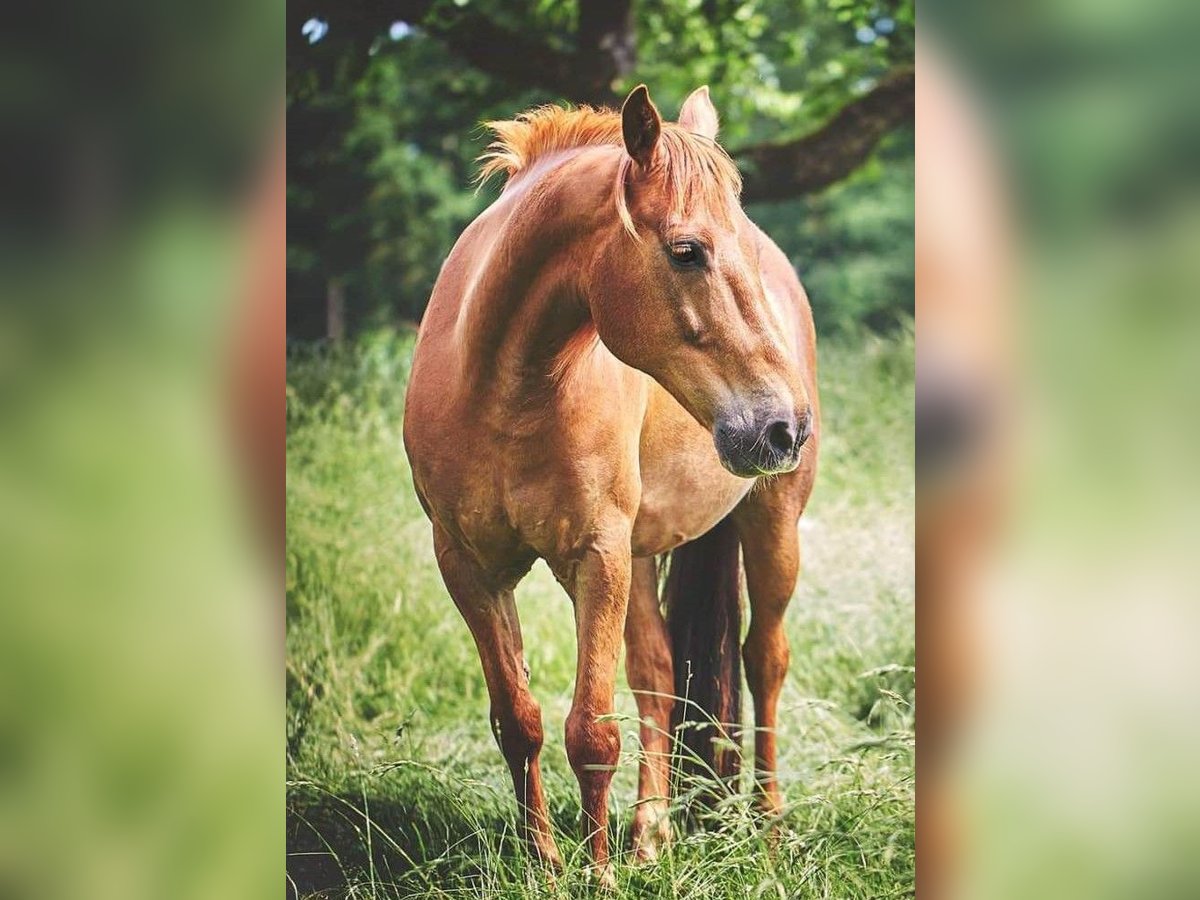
{"x": 765, "y": 444}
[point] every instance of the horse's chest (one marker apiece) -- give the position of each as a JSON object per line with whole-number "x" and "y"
{"x": 674, "y": 512}
{"x": 685, "y": 490}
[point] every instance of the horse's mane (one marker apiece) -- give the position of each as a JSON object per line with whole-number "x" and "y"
{"x": 696, "y": 170}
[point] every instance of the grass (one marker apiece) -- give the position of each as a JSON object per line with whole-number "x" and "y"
{"x": 395, "y": 785}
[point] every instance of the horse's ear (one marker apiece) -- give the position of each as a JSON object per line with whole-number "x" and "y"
{"x": 698, "y": 114}
{"x": 641, "y": 125}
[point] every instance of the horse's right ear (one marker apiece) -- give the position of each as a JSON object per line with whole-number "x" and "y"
{"x": 698, "y": 115}
{"x": 640, "y": 125}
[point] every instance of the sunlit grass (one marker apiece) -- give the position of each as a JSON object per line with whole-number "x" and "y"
{"x": 396, "y": 787}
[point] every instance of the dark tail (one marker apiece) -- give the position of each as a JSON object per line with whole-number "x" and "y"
{"x": 704, "y": 617}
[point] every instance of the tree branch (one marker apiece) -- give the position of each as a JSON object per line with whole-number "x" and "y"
{"x": 829, "y": 154}
{"x": 511, "y": 56}
{"x": 605, "y": 45}
{"x": 606, "y": 48}
{"x": 354, "y": 26}
{"x": 604, "y": 51}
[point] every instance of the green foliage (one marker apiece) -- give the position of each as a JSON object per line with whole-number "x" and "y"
{"x": 380, "y": 155}
{"x": 396, "y": 788}
{"x": 383, "y": 194}
{"x": 776, "y": 69}
{"x": 853, "y": 245}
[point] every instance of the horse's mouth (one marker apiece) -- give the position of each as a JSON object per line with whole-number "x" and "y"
{"x": 744, "y": 467}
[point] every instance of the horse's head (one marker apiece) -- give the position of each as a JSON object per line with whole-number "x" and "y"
{"x": 682, "y": 297}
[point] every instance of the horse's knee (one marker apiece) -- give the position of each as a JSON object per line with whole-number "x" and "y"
{"x": 650, "y": 674}
{"x": 659, "y": 710}
{"x": 593, "y": 747}
{"x": 657, "y": 707}
{"x": 518, "y": 731}
{"x": 766, "y": 655}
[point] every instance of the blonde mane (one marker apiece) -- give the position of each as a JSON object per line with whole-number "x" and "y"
{"x": 696, "y": 170}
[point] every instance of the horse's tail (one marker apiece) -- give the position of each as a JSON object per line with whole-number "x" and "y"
{"x": 702, "y": 597}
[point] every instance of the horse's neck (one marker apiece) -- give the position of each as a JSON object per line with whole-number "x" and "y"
{"x": 525, "y": 301}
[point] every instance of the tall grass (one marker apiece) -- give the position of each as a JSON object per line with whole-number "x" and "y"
{"x": 396, "y": 787}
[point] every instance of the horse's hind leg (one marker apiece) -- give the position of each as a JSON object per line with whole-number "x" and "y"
{"x": 491, "y": 614}
{"x": 648, "y": 668}
{"x": 766, "y": 522}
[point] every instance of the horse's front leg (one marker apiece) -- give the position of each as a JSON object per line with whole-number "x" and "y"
{"x": 598, "y": 581}
{"x": 766, "y": 522}
{"x": 491, "y": 613}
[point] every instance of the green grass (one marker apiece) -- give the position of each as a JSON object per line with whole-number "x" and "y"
{"x": 395, "y": 785}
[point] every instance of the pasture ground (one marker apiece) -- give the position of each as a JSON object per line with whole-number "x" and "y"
{"x": 395, "y": 785}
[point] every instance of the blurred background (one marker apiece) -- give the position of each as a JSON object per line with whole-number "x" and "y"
{"x": 1058, "y": 345}
{"x": 386, "y": 100}
{"x": 141, "y": 382}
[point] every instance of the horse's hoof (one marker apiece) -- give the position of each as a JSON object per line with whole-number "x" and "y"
{"x": 552, "y": 862}
{"x": 770, "y": 806}
{"x": 544, "y": 852}
{"x": 651, "y": 833}
{"x": 648, "y": 846}
{"x": 644, "y": 854}
{"x": 771, "y": 809}
{"x": 604, "y": 877}
{"x": 608, "y": 878}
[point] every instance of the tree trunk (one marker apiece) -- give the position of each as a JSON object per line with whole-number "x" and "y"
{"x": 335, "y": 310}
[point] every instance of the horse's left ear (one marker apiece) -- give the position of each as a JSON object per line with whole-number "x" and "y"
{"x": 640, "y": 125}
{"x": 698, "y": 114}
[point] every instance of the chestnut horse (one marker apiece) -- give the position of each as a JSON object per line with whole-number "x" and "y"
{"x": 616, "y": 362}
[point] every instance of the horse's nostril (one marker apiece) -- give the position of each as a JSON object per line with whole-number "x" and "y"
{"x": 782, "y": 437}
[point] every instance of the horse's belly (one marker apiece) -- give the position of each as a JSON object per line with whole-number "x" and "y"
{"x": 685, "y": 489}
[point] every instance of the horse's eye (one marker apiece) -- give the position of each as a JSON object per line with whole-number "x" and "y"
{"x": 686, "y": 254}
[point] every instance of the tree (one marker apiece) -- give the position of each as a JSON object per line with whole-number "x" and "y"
{"x": 587, "y": 63}
{"x": 378, "y": 158}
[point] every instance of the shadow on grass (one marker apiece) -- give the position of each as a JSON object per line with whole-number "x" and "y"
{"x": 415, "y": 842}
{"x": 338, "y": 840}
{"x": 423, "y": 833}
{"x": 411, "y": 828}
{"x": 405, "y": 846}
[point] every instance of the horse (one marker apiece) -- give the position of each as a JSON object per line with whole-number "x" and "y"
{"x": 617, "y": 364}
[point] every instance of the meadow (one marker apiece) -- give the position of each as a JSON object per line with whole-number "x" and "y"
{"x": 395, "y": 785}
